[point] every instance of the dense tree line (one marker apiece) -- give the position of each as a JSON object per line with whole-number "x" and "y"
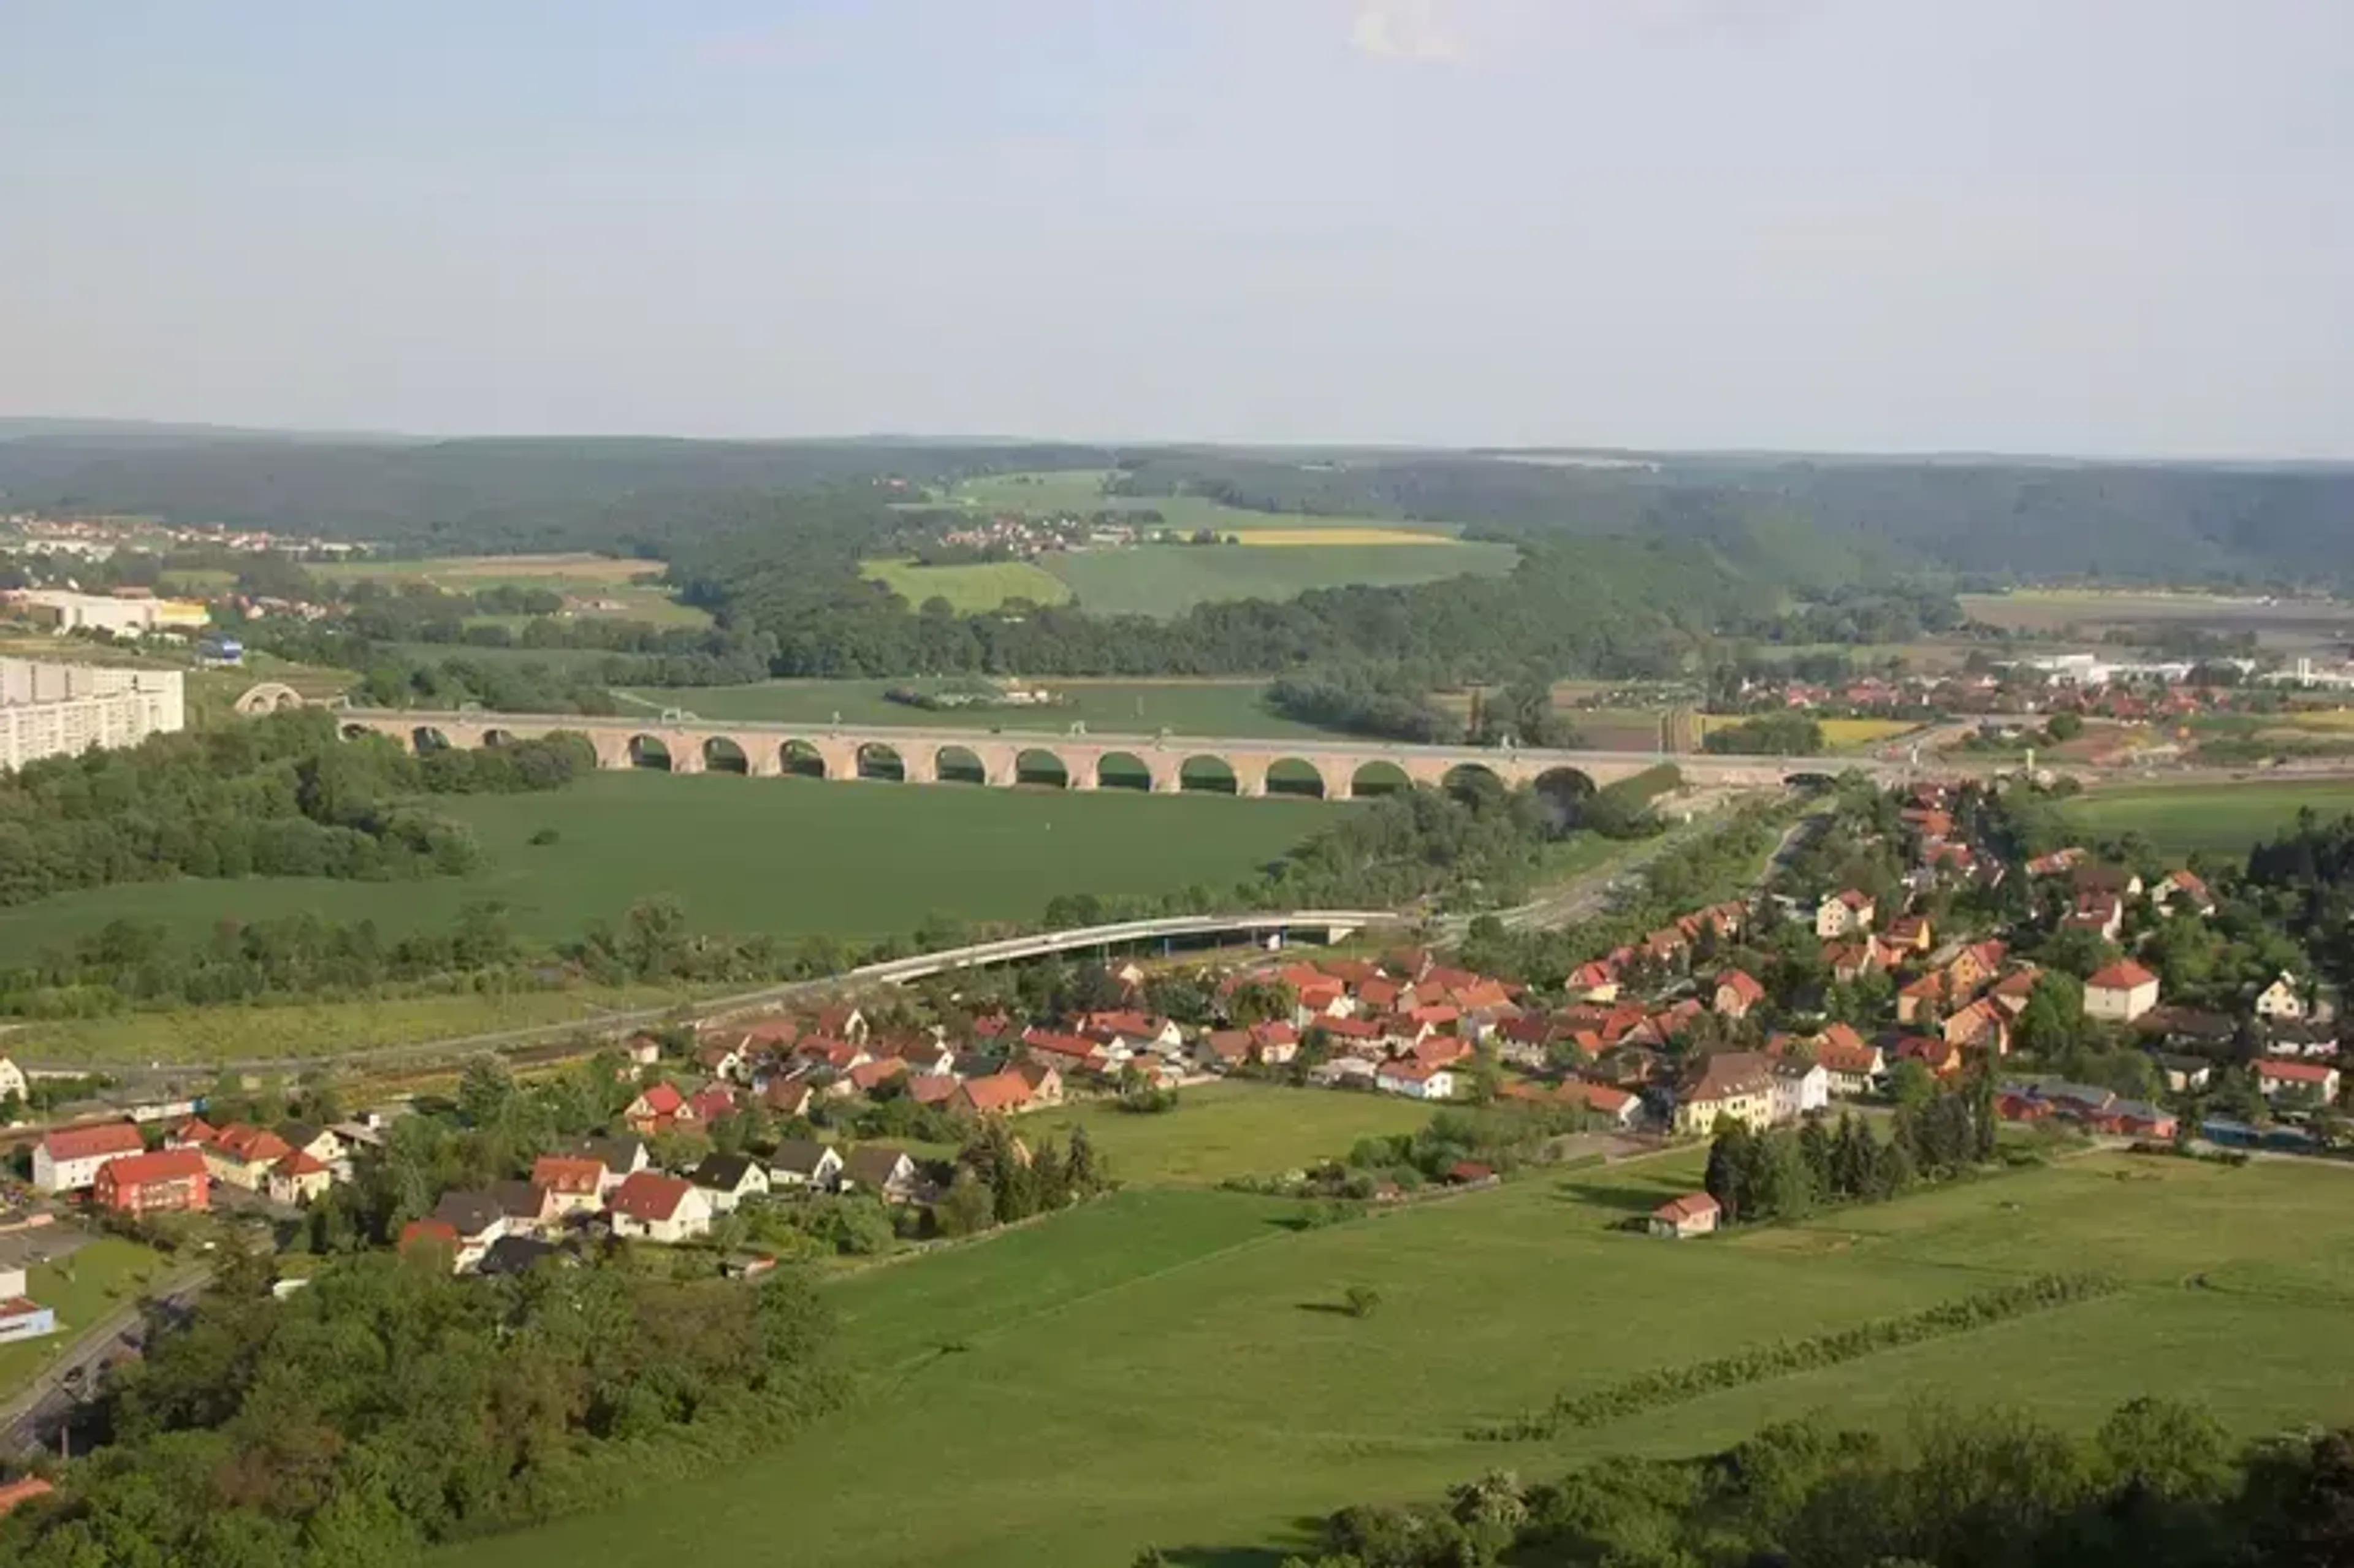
{"x": 281, "y": 797}
{"x": 1788, "y": 1173}
{"x": 1374, "y": 700}
{"x": 2158, "y": 1485}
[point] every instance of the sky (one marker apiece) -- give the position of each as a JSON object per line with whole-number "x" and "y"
{"x": 2094, "y": 227}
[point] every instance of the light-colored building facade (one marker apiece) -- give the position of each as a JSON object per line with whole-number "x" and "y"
{"x": 63, "y": 710}
{"x": 63, "y": 610}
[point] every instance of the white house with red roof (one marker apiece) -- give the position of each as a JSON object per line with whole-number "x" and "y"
{"x": 2121, "y": 992}
{"x": 68, "y": 1158}
{"x": 1737, "y": 990}
{"x": 1845, "y": 914}
{"x": 651, "y": 1206}
{"x": 1416, "y": 1080}
{"x": 2276, "y": 1076}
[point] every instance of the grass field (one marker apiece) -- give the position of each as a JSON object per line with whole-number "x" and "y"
{"x": 82, "y": 1287}
{"x": 1080, "y": 490}
{"x": 2223, "y": 818}
{"x": 606, "y": 588}
{"x": 1230, "y": 1129}
{"x": 786, "y": 855}
{"x": 982, "y": 586}
{"x": 1184, "y": 1343}
{"x": 2277, "y": 623}
{"x": 1169, "y": 579}
{"x": 321, "y": 1029}
{"x": 1233, "y": 708}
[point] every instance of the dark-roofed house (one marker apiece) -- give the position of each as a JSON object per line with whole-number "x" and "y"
{"x": 889, "y": 1173}
{"x": 517, "y": 1255}
{"x": 529, "y": 1207}
{"x": 622, "y": 1157}
{"x": 804, "y": 1162}
{"x": 728, "y": 1178}
{"x": 475, "y": 1221}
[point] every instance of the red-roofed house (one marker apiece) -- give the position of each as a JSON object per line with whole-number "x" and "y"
{"x": 1694, "y": 1214}
{"x": 1853, "y": 1064}
{"x": 68, "y": 1158}
{"x": 242, "y": 1156}
{"x": 1000, "y": 1094}
{"x": 1277, "y": 1042}
{"x": 659, "y": 1207}
{"x": 1613, "y": 1105}
{"x": 298, "y": 1178}
{"x": 1980, "y": 1026}
{"x": 1596, "y": 981}
{"x": 169, "y": 1180}
{"x": 575, "y": 1185}
{"x": 655, "y": 1109}
{"x": 1416, "y": 1080}
{"x": 1943, "y": 1058}
{"x": 1920, "y": 998}
{"x": 2275, "y": 1077}
{"x": 1737, "y": 990}
{"x": 2012, "y": 992}
{"x": 2178, "y": 891}
{"x": 2121, "y": 992}
{"x": 1846, "y": 914}
{"x": 430, "y": 1236}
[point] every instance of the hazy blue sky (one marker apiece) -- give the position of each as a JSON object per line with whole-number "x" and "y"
{"x": 2099, "y": 225}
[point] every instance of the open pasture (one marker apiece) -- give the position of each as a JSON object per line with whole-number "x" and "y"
{"x": 791, "y": 856}
{"x": 2221, "y": 818}
{"x": 969, "y": 589}
{"x": 1192, "y": 1340}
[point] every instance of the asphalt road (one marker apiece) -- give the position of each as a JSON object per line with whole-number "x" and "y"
{"x": 35, "y": 1416}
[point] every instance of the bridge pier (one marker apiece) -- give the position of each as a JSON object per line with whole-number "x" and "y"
{"x": 920, "y": 767}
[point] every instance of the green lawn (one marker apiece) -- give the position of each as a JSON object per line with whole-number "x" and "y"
{"x": 82, "y": 1289}
{"x": 2223, "y": 818}
{"x": 1169, "y": 579}
{"x": 1232, "y": 709}
{"x": 1162, "y": 1369}
{"x": 786, "y": 855}
{"x": 1230, "y": 1129}
{"x": 604, "y": 587}
{"x": 983, "y": 585}
{"x": 1080, "y": 490}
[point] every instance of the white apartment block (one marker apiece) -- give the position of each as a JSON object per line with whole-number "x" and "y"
{"x": 63, "y": 710}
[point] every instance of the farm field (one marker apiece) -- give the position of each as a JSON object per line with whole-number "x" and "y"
{"x": 1190, "y": 1337}
{"x": 2225, "y": 819}
{"x": 1299, "y": 552}
{"x": 83, "y": 1288}
{"x": 1236, "y": 1128}
{"x": 609, "y": 588}
{"x": 981, "y": 586}
{"x": 1170, "y": 579}
{"x": 791, "y": 856}
{"x": 2277, "y": 623}
{"x": 231, "y": 1033}
{"x": 1228, "y": 708}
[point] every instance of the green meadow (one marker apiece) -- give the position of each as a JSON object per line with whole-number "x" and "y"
{"x": 791, "y": 856}
{"x": 1168, "y": 1368}
{"x": 2222, "y": 819}
{"x": 1170, "y": 579}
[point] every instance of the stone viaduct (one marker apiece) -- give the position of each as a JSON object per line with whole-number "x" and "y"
{"x": 1337, "y": 770}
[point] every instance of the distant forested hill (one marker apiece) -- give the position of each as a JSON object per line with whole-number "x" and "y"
{"x": 1812, "y": 520}
{"x": 1831, "y": 517}
{"x": 457, "y": 497}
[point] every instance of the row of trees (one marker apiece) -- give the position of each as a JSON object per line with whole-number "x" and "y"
{"x": 1784, "y": 1173}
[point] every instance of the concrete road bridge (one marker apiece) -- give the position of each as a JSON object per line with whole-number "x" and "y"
{"x": 1339, "y": 768}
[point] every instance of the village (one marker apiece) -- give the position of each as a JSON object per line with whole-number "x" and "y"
{"x": 1770, "y": 1010}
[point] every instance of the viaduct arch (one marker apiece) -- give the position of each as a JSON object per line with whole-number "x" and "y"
{"x": 1336, "y": 770}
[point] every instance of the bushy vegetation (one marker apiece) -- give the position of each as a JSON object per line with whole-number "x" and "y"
{"x": 2159, "y": 1483}
{"x": 391, "y": 1405}
{"x": 280, "y": 797}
